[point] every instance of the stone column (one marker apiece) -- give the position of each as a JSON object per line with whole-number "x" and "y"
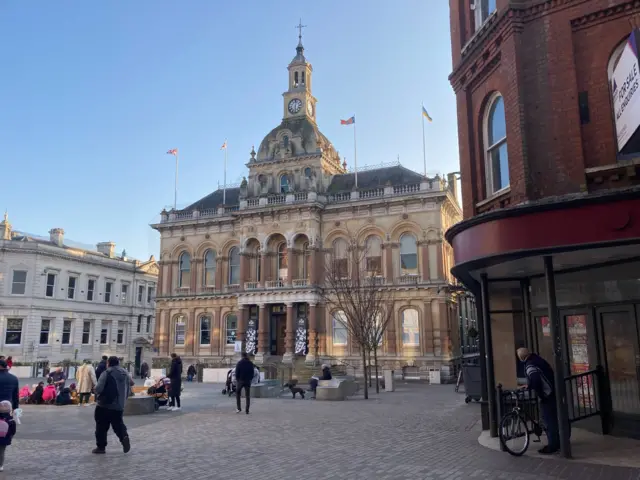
{"x": 312, "y": 334}
{"x": 291, "y": 266}
{"x": 216, "y": 331}
{"x": 244, "y": 269}
{"x": 392, "y": 343}
{"x": 264, "y": 274}
{"x": 440, "y": 257}
{"x": 169, "y": 289}
{"x": 313, "y": 268}
{"x": 160, "y": 285}
{"x": 264, "y": 344}
{"x": 424, "y": 260}
{"x": 243, "y": 314}
{"x": 194, "y": 276}
{"x": 218, "y": 277}
{"x": 158, "y": 331}
{"x": 388, "y": 260}
{"x": 289, "y": 340}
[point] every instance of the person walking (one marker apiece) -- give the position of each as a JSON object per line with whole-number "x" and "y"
{"x": 7, "y": 429}
{"x": 540, "y": 379}
{"x": 87, "y": 381}
{"x": 9, "y": 387}
{"x": 245, "y": 371}
{"x": 144, "y": 370}
{"x": 175, "y": 376}
{"x": 112, "y": 392}
{"x": 102, "y": 366}
{"x": 191, "y": 373}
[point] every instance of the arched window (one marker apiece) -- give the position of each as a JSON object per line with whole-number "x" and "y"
{"x": 209, "y": 268}
{"x": 307, "y": 172}
{"x": 283, "y": 265}
{"x": 231, "y": 328}
{"x": 295, "y": 79}
{"x": 184, "y": 270}
{"x": 285, "y": 141}
{"x": 497, "y": 158}
{"x": 303, "y": 79}
{"x": 284, "y": 183}
{"x": 303, "y": 266}
{"x": 180, "y": 330}
{"x": 234, "y": 266}
{"x": 624, "y": 101}
{"x": 408, "y": 254}
{"x": 205, "y": 330}
{"x": 340, "y": 260}
{"x": 410, "y": 328}
{"x": 373, "y": 255}
{"x": 339, "y": 328}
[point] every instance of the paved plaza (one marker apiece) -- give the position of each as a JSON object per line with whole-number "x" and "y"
{"x": 418, "y": 432}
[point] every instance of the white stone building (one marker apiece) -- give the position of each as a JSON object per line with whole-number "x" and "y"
{"x": 59, "y": 302}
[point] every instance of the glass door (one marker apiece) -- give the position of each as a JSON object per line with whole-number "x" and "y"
{"x": 621, "y": 353}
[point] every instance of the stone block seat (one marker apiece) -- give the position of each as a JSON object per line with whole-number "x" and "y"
{"x": 139, "y": 405}
{"x": 337, "y": 389}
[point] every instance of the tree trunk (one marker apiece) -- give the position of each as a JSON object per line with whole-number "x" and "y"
{"x": 375, "y": 359}
{"x": 364, "y": 373}
{"x": 369, "y": 367}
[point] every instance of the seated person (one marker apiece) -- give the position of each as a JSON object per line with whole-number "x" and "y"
{"x": 74, "y": 394}
{"x": 64, "y": 398}
{"x": 326, "y": 375}
{"x": 58, "y": 378}
{"x": 36, "y": 395}
{"x": 49, "y": 393}
{"x": 24, "y": 394}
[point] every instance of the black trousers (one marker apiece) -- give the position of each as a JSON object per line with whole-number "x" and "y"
{"x": 247, "y": 390}
{"x": 84, "y": 397}
{"x": 106, "y": 418}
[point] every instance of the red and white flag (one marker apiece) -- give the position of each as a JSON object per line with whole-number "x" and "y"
{"x": 224, "y": 146}
{"x": 173, "y": 151}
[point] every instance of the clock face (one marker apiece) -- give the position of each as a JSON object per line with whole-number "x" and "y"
{"x": 295, "y": 105}
{"x": 310, "y": 107}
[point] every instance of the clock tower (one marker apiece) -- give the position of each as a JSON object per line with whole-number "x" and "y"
{"x": 298, "y": 100}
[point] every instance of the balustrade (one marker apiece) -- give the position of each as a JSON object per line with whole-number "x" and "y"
{"x": 251, "y": 285}
{"x": 271, "y": 284}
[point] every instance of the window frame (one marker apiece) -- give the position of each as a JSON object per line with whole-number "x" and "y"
{"x": 151, "y": 290}
{"x": 490, "y": 190}
{"x": 342, "y": 320}
{"x": 86, "y": 332}
{"x": 14, "y": 283}
{"x": 409, "y": 329}
{"x": 66, "y": 332}
{"x": 91, "y": 289}
{"x": 139, "y": 324}
{"x": 104, "y": 330}
{"x": 108, "y": 292}
{"x": 71, "y": 290}
{"x": 284, "y": 189}
{"x": 120, "y": 340}
{"x": 369, "y": 258}
{"x": 209, "y": 272}
{"x": 482, "y": 12}
{"x": 17, "y": 332}
{"x": 124, "y": 291}
{"x": 208, "y": 330}
{"x": 44, "y": 331}
{"x": 180, "y": 321}
{"x": 340, "y": 264}
{"x": 53, "y": 287}
{"x": 140, "y": 294}
{"x": 233, "y": 337}
{"x": 232, "y": 267}
{"x": 184, "y": 273}
{"x": 405, "y": 270}
{"x": 149, "y": 321}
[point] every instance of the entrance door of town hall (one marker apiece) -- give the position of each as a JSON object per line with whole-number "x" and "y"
{"x": 620, "y": 352}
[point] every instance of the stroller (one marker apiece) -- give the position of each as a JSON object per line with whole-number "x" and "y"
{"x": 160, "y": 393}
{"x": 230, "y": 385}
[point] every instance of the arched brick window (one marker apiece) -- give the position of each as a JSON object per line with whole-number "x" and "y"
{"x": 495, "y": 143}
{"x": 184, "y": 270}
{"x": 209, "y": 268}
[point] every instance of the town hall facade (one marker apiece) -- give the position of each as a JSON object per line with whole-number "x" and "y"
{"x": 248, "y": 263}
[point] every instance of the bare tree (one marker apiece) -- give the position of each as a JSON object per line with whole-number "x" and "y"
{"x": 354, "y": 286}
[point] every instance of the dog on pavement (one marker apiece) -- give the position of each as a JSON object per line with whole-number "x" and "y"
{"x": 295, "y": 390}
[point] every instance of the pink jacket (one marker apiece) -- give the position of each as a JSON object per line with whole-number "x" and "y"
{"x": 24, "y": 392}
{"x": 49, "y": 393}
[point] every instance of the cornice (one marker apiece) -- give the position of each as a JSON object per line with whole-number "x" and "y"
{"x": 605, "y": 15}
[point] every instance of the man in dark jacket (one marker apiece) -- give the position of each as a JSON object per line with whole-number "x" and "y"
{"x": 8, "y": 385}
{"x": 102, "y": 366}
{"x": 112, "y": 392}
{"x": 175, "y": 375}
{"x": 245, "y": 370}
{"x": 540, "y": 379}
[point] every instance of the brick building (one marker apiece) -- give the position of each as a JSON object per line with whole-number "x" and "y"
{"x": 548, "y": 109}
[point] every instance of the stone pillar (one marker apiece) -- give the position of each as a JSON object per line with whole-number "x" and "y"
{"x": 312, "y": 334}
{"x": 313, "y": 267}
{"x": 169, "y": 289}
{"x": 321, "y": 329}
{"x": 392, "y": 343}
{"x": 424, "y": 261}
{"x": 190, "y": 334}
{"x": 427, "y": 329}
{"x": 194, "y": 276}
{"x": 264, "y": 343}
{"x": 289, "y": 340}
{"x": 264, "y": 273}
{"x": 291, "y": 266}
{"x": 158, "y": 333}
{"x": 160, "y": 286}
{"x": 243, "y": 316}
{"x": 216, "y": 331}
{"x": 244, "y": 269}
{"x": 440, "y": 257}
{"x": 388, "y": 261}
{"x": 219, "y": 273}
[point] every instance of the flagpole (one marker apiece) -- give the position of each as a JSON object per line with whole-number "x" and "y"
{"x": 424, "y": 148}
{"x": 224, "y": 186}
{"x": 175, "y": 190}
{"x": 355, "y": 153}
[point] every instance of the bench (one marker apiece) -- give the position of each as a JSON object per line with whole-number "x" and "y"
{"x": 336, "y": 389}
{"x": 140, "y": 405}
{"x": 138, "y": 389}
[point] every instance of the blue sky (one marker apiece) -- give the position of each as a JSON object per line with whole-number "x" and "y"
{"x": 93, "y": 94}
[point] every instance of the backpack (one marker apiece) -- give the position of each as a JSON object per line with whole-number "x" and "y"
{"x": 4, "y": 428}
{"x": 110, "y": 392}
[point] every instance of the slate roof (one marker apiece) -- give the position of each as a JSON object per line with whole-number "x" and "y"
{"x": 214, "y": 200}
{"x": 396, "y": 175}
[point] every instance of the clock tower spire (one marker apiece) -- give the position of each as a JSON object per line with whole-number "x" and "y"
{"x": 298, "y": 100}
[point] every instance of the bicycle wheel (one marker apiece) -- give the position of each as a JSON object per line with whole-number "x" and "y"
{"x": 514, "y": 435}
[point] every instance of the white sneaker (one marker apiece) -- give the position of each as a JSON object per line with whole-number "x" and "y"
{"x": 238, "y": 411}
{"x": 169, "y": 409}
{"x": 1, "y": 468}
{"x": 176, "y": 409}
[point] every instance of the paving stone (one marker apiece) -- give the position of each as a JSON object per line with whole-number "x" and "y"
{"x": 418, "y": 432}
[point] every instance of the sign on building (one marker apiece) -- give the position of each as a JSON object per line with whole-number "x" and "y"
{"x": 625, "y": 90}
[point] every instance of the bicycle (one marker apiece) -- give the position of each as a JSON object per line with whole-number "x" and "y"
{"x": 515, "y": 424}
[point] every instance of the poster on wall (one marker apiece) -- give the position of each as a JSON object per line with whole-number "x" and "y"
{"x": 584, "y": 394}
{"x": 546, "y": 328}
{"x": 625, "y": 91}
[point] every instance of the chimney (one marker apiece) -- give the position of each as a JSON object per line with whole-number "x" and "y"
{"x": 453, "y": 184}
{"x": 106, "y": 248}
{"x": 56, "y": 235}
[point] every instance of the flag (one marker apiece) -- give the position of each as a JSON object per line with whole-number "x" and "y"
{"x": 173, "y": 151}
{"x": 425, "y": 114}
{"x": 348, "y": 121}
{"x": 224, "y": 146}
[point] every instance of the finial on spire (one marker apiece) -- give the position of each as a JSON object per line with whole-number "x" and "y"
{"x": 300, "y": 27}
{"x": 6, "y": 217}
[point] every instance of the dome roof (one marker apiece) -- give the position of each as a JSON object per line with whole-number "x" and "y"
{"x": 304, "y": 139}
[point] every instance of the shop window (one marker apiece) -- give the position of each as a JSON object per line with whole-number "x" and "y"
{"x": 495, "y": 141}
